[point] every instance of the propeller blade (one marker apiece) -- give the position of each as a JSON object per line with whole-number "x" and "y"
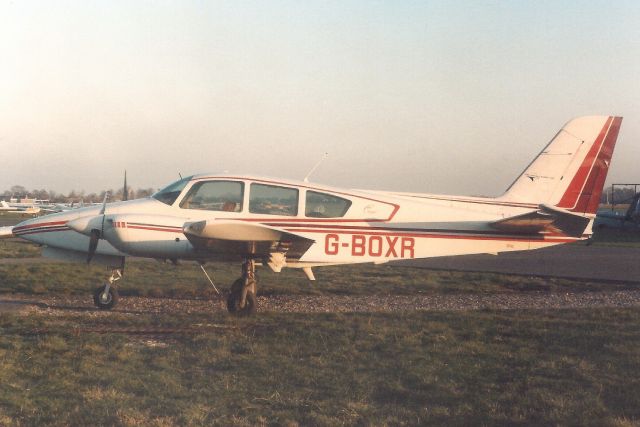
{"x": 93, "y": 244}
{"x": 104, "y": 203}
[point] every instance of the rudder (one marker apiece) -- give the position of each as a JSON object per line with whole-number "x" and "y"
{"x": 571, "y": 170}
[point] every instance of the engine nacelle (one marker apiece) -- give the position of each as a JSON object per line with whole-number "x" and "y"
{"x": 152, "y": 236}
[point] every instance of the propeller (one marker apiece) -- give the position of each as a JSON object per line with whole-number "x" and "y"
{"x": 96, "y": 234}
{"x": 93, "y": 226}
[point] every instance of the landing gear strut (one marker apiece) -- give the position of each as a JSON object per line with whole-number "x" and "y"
{"x": 242, "y": 295}
{"x": 106, "y": 297}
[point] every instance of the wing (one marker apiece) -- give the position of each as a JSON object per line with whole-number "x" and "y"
{"x": 546, "y": 219}
{"x": 247, "y": 239}
{"x": 6, "y": 232}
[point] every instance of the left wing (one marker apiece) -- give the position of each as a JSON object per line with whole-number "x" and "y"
{"x": 247, "y": 239}
{"x": 6, "y": 232}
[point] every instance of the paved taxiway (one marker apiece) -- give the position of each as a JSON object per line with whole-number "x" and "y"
{"x": 575, "y": 261}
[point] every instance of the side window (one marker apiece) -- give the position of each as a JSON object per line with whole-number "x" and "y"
{"x": 272, "y": 200}
{"x": 223, "y": 196}
{"x": 322, "y": 205}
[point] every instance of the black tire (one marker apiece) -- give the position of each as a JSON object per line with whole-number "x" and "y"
{"x": 233, "y": 300}
{"x": 251, "y": 306}
{"x": 109, "y": 301}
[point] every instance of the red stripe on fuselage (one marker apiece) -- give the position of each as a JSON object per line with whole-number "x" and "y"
{"x": 46, "y": 230}
{"x": 39, "y": 224}
{"x": 140, "y": 227}
{"x": 432, "y": 235}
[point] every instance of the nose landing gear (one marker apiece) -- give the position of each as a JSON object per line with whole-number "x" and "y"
{"x": 106, "y": 297}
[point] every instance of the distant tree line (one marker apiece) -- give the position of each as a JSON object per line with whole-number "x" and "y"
{"x": 20, "y": 192}
{"x": 621, "y": 195}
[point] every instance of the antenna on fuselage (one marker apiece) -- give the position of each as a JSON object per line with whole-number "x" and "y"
{"x": 306, "y": 178}
{"x": 180, "y": 175}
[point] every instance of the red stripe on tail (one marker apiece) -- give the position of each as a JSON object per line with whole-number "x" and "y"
{"x": 590, "y": 197}
{"x": 584, "y": 191}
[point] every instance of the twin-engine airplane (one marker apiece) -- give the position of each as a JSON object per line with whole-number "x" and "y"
{"x": 282, "y": 223}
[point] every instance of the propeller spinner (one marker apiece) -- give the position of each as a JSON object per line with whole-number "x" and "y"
{"x": 92, "y": 226}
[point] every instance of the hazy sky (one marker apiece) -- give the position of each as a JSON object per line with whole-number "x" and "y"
{"x": 444, "y": 97}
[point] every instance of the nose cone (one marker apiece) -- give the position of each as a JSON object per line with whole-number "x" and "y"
{"x": 85, "y": 224}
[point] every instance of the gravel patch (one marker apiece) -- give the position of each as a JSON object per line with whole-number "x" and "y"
{"x": 64, "y": 305}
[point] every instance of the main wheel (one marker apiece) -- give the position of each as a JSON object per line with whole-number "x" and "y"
{"x": 105, "y": 300}
{"x": 235, "y": 295}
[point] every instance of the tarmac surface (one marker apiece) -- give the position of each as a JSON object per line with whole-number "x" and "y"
{"x": 575, "y": 261}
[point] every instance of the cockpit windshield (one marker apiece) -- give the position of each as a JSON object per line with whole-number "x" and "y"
{"x": 170, "y": 193}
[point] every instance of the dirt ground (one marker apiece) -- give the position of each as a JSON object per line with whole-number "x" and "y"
{"x": 59, "y": 305}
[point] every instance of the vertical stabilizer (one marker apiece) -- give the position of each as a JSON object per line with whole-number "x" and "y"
{"x": 570, "y": 172}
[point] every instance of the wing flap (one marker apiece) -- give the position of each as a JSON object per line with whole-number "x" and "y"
{"x": 545, "y": 220}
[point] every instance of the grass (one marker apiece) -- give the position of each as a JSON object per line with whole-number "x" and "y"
{"x": 486, "y": 367}
{"x": 149, "y": 278}
{"x": 14, "y": 248}
{"x": 574, "y": 367}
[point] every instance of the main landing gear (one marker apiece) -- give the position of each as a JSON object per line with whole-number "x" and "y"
{"x": 106, "y": 297}
{"x": 242, "y": 295}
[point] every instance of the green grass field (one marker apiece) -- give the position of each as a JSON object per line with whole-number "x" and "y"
{"x": 150, "y": 278}
{"x": 484, "y": 367}
{"x": 564, "y": 367}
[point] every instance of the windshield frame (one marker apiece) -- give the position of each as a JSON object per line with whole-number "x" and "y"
{"x": 169, "y": 194}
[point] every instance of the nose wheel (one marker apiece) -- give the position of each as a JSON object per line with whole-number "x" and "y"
{"x": 106, "y": 297}
{"x": 242, "y": 298}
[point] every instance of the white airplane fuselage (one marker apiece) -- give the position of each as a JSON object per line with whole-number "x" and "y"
{"x": 378, "y": 227}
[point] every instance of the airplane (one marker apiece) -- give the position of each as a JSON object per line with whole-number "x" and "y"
{"x": 62, "y": 207}
{"x": 27, "y": 209}
{"x": 5, "y": 207}
{"x": 295, "y": 224}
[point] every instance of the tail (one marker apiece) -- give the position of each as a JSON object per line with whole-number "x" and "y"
{"x": 570, "y": 172}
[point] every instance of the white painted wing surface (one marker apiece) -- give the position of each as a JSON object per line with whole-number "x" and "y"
{"x": 6, "y": 232}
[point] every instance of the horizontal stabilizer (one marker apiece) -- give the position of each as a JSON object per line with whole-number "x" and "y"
{"x": 545, "y": 220}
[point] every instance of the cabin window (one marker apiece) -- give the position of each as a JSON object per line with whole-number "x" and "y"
{"x": 170, "y": 193}
{"x": 273, "y": 200}
{"x": 225, "y": 196}
{"x": 323, "y": 205}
